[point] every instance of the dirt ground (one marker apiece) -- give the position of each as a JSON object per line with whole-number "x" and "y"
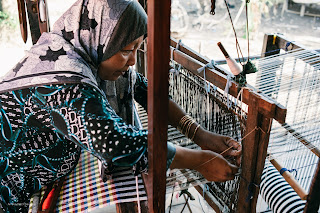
{"x": 304, "y": 30}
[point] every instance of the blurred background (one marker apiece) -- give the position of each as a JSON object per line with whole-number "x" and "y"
{"x": 192, "y": 23}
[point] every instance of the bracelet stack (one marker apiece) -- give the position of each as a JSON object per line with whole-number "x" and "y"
{"x": 185, "y": 125}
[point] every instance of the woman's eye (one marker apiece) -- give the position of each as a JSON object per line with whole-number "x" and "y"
{"x": 126, "y": 52}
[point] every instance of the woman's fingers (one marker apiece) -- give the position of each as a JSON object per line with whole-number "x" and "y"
{"x": 218, "y": 169}
{"x": 235, "y": 144}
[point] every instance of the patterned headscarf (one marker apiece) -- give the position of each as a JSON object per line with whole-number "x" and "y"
{"x": 88, "y": 33}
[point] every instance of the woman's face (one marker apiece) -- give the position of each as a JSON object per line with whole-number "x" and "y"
{"x": 112, "y": 68}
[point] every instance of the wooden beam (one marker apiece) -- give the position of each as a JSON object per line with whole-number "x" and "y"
{"x": 158, "y": 63}
{"x": 272, "y": 44}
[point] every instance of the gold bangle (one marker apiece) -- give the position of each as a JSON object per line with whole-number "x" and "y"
{"x": 188, "y": 128}
{"x": 182, "y": 121}
{"x": 195, "y": 131}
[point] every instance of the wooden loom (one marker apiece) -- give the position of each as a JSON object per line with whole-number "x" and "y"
{"x": 261, "y": 110}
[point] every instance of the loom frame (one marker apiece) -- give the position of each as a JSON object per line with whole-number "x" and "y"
{"x": 254, "y": 153}
{"x": 277, "y": 41}
{"x": 261, "y": 110}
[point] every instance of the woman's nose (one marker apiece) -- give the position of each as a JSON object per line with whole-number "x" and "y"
{"x": 132, "y": 58}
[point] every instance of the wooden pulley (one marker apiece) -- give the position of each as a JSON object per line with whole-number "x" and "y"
{"x": 43, "y": 16}
{"x": 213, "y": 7}
{"x": 23, "y": 20}
{"x": 37, "y": 13}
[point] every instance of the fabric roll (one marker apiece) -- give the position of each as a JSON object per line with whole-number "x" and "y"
{"x": 278, "y": 193}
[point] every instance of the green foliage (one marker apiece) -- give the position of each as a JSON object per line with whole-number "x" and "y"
{"x": 7, "y": 21}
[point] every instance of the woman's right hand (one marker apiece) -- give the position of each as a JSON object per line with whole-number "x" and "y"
{"x": 214, "y": 167}
{"x": 211, "y": 165}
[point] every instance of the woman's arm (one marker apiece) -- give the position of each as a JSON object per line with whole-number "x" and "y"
{"x": 205, "y": 139}
{"x": 210, "y": 164}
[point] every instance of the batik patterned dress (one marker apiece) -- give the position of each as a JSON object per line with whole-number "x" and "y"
{"x": 44, "y": 128}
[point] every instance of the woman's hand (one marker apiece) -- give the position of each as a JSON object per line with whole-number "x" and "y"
{"x": 215, "y": 167}
{"x": 219, "y": 143}
{"x": 211, "y": 165}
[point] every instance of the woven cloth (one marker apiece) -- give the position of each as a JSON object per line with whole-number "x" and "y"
{"x": 84, "y": 190}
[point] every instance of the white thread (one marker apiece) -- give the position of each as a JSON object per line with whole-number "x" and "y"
{"x": 133, "y": 81}
{"x": 138, "y": 198}
{"x": 226, "y": 89}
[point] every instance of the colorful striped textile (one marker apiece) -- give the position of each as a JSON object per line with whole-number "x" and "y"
{"x": 84, "y": 190}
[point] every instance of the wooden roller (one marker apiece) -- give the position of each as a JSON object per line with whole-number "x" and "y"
{"x": 289, "y": 178}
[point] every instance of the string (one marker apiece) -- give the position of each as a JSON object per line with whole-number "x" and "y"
{"x": 132, "y": 81}
{"x": 180, "y": 175}
{"x": 241, "y": 60}
{"x": 301, "y": 100}
{"x": 247, "y": 28}
{"x": 227, "y": 87}
{"x": 171, "y": 198}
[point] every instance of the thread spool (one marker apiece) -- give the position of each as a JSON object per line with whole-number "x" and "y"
{"x": 232, "y": 64}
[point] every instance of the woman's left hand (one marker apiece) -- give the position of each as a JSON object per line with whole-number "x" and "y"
{"x": 219, "y": 143}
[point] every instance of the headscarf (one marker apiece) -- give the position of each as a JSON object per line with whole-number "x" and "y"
{"x": 86, "y": 34}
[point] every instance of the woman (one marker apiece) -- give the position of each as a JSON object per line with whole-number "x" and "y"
{"x": 71, "y": 92}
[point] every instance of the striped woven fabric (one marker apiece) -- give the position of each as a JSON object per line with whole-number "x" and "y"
{"x": 84, "y": 190}
{"x": 279, "y": 195}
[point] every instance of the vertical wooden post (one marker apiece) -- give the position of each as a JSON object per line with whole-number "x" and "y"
{"x": 313, "y": 200}
{"x": 158, "y": 63}
{"x": 265, "y": 125}
{"x": 270, "y": 45}
{"x": 249, "y": 156}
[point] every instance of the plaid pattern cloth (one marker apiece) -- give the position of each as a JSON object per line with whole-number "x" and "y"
{"x": 84, "y": 190}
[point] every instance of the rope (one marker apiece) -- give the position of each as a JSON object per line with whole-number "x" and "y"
{"x": 241, "y": 60}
